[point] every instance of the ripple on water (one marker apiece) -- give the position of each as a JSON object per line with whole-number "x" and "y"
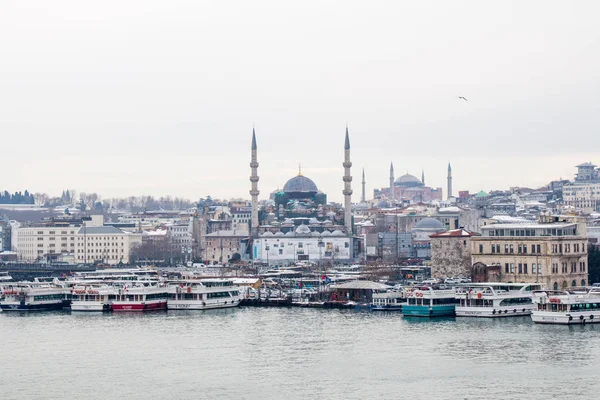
{"x": 293, "y": 353}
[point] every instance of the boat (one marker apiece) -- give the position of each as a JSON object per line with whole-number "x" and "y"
{"x": 388, "y": 301}
{"x": 93, "y": 298}
{"x": 5, "y": 277}
{"x": 32, "y": 296}
{"x": 203, "y": 294}
{"x": 141, "y": 296}
{"x": 495, "y": 299}
{"x": 567, "y": 307}
{"x": 429, "y": 302}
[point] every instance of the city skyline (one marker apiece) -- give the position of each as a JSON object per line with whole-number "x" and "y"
{"x": 169, "y": 111}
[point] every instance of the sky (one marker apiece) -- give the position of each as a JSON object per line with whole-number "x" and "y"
{"x": 160, "y": 97}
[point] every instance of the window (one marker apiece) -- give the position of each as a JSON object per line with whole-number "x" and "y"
{"x": 520, "y": 249}
{"x": 512, "y": 268}
{"x": 481, "y": 248}
{"x": 512, "y": 249}
{"x": 539, "y": 248}
{"x": 506, "y": 248}
{"x": 506, "y": 268}
{"x": 520, "y": 268}
{"x": 493, "y": 248}
{"x": 524, "y": 249}
{"x": 525, "y": 269}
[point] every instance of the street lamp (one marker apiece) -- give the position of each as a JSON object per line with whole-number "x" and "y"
{"x": 267, "y": 250}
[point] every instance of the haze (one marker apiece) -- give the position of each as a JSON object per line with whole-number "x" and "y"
{"x": 159, "y": 97}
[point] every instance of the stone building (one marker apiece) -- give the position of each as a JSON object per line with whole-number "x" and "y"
{"x": 451, "y": 253}
{"x": 221, "y": 246}
{"x": 552, "y": 252}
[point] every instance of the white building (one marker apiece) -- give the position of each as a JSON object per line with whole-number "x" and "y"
{"x": 583, "y": 196}
{"x": 302, "y": 245}
{"x": 105, "y": 244}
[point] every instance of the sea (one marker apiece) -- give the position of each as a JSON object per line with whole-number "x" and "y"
{"x": 292, "y": 353}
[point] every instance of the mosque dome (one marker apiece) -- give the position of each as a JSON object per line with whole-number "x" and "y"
{"x": 303, "y": 230}
{"x": 408, "y": 181}
{"x": 300, "y": 184}
{"x": 429, "y": 224}
{"x": 383, "y": 204}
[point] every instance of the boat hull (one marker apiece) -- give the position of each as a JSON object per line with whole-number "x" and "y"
{"x": 199, "y": 305}
{"x": 387, "y": 308}
{"x": 428, "y": 311}
{"x": 14, "y": 306}
{"x": 570, "y": 318}
{"x": 494, "y": 312}
{"x": 134, "y": 306}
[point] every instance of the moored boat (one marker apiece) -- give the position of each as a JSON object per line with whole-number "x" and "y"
{"x": 203, "y": 294}
{"x": 388, "y": 301}
{"x": 32, "y": 296}
{"x": 140, "y": 297}
{"x": 92, "y": 298}
{"x": 567, "y": 307}
{"x": 430, "y": 302}
{"x": 495, "y": 299}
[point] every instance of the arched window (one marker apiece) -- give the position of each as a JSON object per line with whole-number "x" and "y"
{"x": 555, "y": 285}
{"x": 564, "y": 284}
{"x": 574, "y": 283}
{"x": 583, "y": 282}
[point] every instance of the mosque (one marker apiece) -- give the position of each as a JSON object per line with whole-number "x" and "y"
{"x": 297, "y": 224}
{"x": 410, "y": 188}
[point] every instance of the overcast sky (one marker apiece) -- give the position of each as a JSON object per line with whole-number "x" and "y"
{"x": 159, "y": 97}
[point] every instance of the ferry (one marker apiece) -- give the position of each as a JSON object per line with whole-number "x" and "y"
{"x": 567, "y": 307}
{"x": 429, "y": 302}
{"x": 5, "y": 277}
{"x": 494, "y": 299}
{"x": 141, "y": 296}
{"x": 203, "y": 294}
{"x": 388, "y": 301}
{"x": 93, "y": 298}
{"x": 32, "y": 296}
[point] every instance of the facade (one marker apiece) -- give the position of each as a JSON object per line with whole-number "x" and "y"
{"x": 100, "y": 243}
{"x": 552, "y": 253}
{"x": 395, "y": 245}
{"x": 302, "y": 245}
{"x": 105, "y": 244}
{"x": 221, "y": 246}
{"x": 451, "y": 253}
{"x": 583, "y": 196}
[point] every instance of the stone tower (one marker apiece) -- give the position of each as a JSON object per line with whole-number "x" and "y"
{"x": 363, "y": 198}
{"x": 449, "y": 181}
{"x": 423, "y": 177}
{"x": 254, "y": 190}
{"x": 392, "y": 191}
{"x": 347, "y": 187}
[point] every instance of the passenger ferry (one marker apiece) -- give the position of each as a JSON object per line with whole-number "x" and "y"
{"x": 429, "y": 302}
{"x": 32, "y": 296}
{"x": 566, "y": 307}
{"x": 388, "y": 301}
{"x": 494, "y": 299}
{"x": 203, "y": 294}
{"x": 93, "y": 298}
{"x": 141, "y": 296}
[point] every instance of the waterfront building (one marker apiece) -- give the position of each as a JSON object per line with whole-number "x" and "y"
{"x": 552, "y": 251}
{"x": 451, "y": 253}
{"x": 104, "y": 244}
{"x": 223, "y": 247}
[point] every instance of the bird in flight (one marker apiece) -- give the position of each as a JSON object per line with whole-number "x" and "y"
{"x": 462, "y": 98}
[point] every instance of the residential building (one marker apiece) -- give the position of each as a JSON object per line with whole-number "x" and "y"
{"x": 583, "y": 196}
{"x": 552, "y": 252}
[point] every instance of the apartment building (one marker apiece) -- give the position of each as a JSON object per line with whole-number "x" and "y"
{"x": 552, "y": 253}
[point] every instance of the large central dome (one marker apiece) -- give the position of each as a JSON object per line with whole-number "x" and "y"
{"x": 300, "y": 184}
{"x": 408, "y": 181}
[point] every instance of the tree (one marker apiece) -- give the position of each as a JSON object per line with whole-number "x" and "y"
{"x": 593, "y": 264}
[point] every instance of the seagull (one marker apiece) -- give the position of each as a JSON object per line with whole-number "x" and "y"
{"x": 463, "y": 98}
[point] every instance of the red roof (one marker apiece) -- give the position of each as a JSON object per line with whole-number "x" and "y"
{"x": 454, "y": 233}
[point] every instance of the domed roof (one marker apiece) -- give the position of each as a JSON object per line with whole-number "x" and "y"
{"x": 408, "y": 181}
{"x": 429, "y": 223}
{"x": 481, "y": 194}
{"x": 383, "y": 204}
{"x": 302, "y": 230}
{"x": 279, "y": 233}
{"x": 300, "y": 184}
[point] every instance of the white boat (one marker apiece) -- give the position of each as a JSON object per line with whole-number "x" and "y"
{"x": 32, "y": 296}
{"x": 93, "y": 298}
{"x": 567, "y": 307}
{"x": 495, "y": 299}
{"x": 388, "y": 301}
{"x": 141, "y": 296}
{"x": 203, "y": 294}
{"x": 429, "y": 302}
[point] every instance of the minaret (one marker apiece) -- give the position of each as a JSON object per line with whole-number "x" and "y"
{"x": 392, "y": 194}
{"x": 363, "y": 197}
{"x": 423, "y": 177}
{"x": 254, "y": 191}
{"x": 347, "y": 187}
{"x": 449, "y": 181}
